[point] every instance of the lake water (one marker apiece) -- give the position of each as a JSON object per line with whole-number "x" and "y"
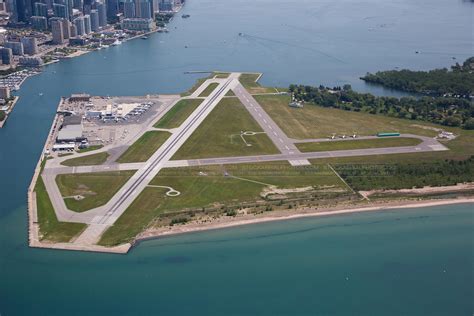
{"x": 409, "y": 262}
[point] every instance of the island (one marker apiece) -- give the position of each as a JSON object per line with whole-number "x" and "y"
{"x": 118, "y": 170}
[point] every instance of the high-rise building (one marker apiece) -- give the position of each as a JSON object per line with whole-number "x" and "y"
{"x": 129, "y": 9}
{"x": 66, "y": 28}
{"x": 112, "y": 9}
{"x": 16, "y": 47}
{"x": 78, "y": 4}
{"x": 72, "y": 31}
{"x": 87, "y": 24}
{"x": 80, "y": 28}
{"x": 166, "y": 5}
{"x": 30, "y": 45}
{"x": 57, "y": 30}
{"x": 7, "y": 55}
{"x": 60, "y": 11}
{"x": 102, "y": 10}
{"x": 146, "y": 9}
{"x": 39, "y": 23}
{"x": 41, "y": 9}
{"x": 94, "y": 20}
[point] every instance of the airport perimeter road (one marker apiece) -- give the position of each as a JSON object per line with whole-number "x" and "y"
{"x": 122, "y": 200}
{"x": 278, "y": 137}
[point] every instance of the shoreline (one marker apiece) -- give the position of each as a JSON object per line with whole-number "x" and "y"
{"x": 230, "y": 222}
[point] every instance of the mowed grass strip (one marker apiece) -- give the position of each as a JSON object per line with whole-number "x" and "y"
{"x": 219, "y": 134}
{"x": 96, "y": 188}
{"x": 207, "y": 92}
{"x": 50, "y": 228}
{"x": 314, "y": 121}
{"x": 144, "y": 147}
{"x": 90, "y": 148}
{"x": 205, "y": 186}
{"x": 358, "y": 144}
{"x": 249, "y": 81}
{"x": 89, "y": 160}
{"x": 178, "y": 114}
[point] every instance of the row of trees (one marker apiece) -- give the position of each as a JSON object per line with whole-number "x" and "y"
{"x": 447, "y": 111}
{"x": 2, "y": 115}
{"x": 459, "y": 81}
{"x": 401, "y": 176}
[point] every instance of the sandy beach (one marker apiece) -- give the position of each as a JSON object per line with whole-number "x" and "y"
{"x": 239, "y": 220}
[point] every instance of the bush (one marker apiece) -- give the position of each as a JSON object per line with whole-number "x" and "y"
{"x": 2, "y": 115}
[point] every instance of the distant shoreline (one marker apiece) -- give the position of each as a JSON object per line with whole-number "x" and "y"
{"x": 229, "y": 222}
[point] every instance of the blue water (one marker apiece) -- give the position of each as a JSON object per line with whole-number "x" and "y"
{"x": 390, "y": 263}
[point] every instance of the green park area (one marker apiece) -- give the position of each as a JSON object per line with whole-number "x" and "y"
{"x": 357, "y": 144}
{"x": 178, "y": 113}
{"x": 93, "y": 189}
{"x": 220, "y": 134}
{"x": 89, "y": 160}
{"x": 250, "y": 82}
{"x": 50, "y": 228}
{"x": 144, "y": 147}
{"x": 212, "y": 186}
{"x": 90, "y": 148}
{"x": 207, "y": 92}
{"x": 314, "y": 121}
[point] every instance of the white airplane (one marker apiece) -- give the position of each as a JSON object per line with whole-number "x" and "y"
{"x": 333, "y": 136}
{"x": 343, "y": 136}
{"x": 354, "y": 135}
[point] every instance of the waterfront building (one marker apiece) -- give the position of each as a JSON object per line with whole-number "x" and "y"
{"x": 30, "y": 45}
{"x": 166, "y": 5}
{"x": 138, "y": 24}
{"x": 16, "y": 47}
{"x": 31, "y": 61}
{"x": 5, "y": 93}
{"x": 57, "y": 30}
{"x": 41, "y": 9}
{"x": 87, "y": 24}
{"x": 94, "y": 20}
{"x": 39, "y": 23}
{"x": 7, "y": 55}
{"x": 102, "y": 10}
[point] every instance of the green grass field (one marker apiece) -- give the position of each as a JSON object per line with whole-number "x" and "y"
{"x": 205, "y": 190}
{"x": 90, "y": 148}
{"x": 50, "y": 228}
{"x": 207, "y": 92}
{"x": 221, "y": 75}
{"x": 89, "y": 160}
{"x": 317, "y": 122}
{"x": 358, "y": 144}
{"x": 144, "y": 147}
{"x": 219, "y": 134}
{"x": 96, "y": 188}
{"x": 178, "y": 114}
{"x": 249, "y": 81}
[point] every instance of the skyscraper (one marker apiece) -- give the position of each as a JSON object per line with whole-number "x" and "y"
{"x": 30, "y": 45}
{"x": 41, "y": 9}
{"x": 129, "y": 9}
{"x": 57, "y": 30}
{"x": 146, "y": 9}
{"x": 87, "y": 24}
{"x": 80, "y": 28}
{"x": 102, "y": 10}
{"x": 94, "y": 20}
{"x": 112, "y": 8}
